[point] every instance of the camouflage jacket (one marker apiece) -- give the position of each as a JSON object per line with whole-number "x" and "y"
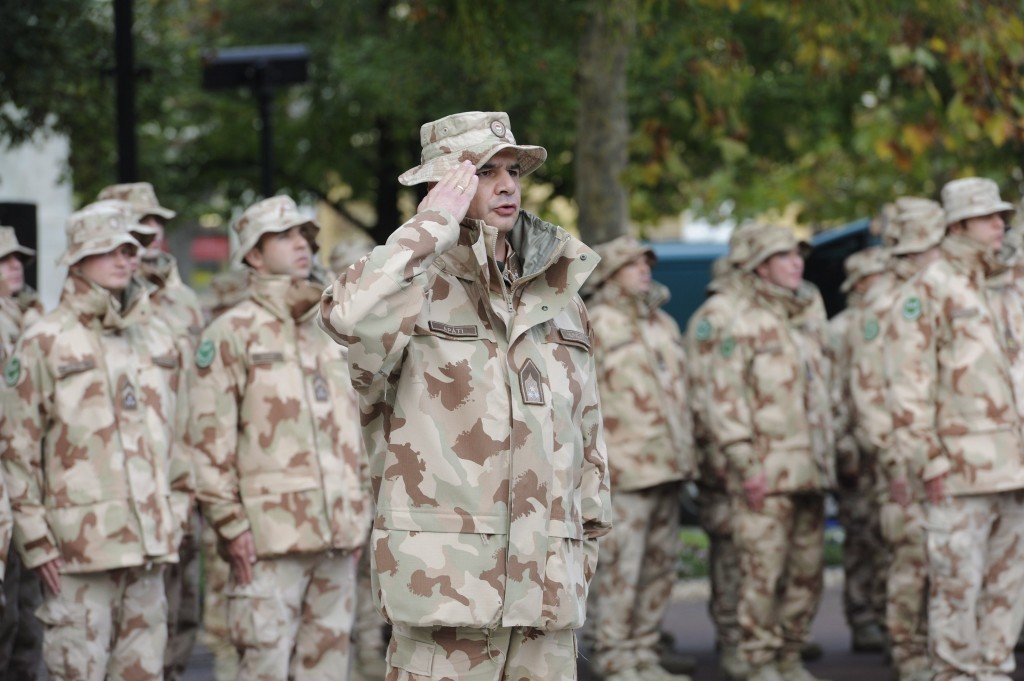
{"x": 95, "y": 471}
{"x": 770, "y": 407}
{"x": 17, "y": 313}
{"x": 481, "y": 416}
{"x": 171, "y": 299}
{"x": 949, "y": 355}
{"x": 6, "y": 527}
{"x": 274, "y": 426}
{"x": 641, "y": 367}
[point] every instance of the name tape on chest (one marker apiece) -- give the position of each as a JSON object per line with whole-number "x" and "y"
{"x": 463, "y": 331}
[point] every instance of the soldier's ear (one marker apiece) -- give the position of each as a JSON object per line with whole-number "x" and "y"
{"x": 254, "y": 258}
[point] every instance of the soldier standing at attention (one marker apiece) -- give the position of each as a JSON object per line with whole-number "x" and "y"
{"x": 957, "y": 412}
{"x": 770, "y": 416}
{"x": 641, "y": 375}
{"x": 178, "y": 306}
{"x": 280, "y": 472}
{"x": 473, "y": 358}
{"x": 21, "y": 635}
{"x": 99, "y": 482}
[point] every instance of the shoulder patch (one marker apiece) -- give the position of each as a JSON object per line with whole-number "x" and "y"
{"x": 703, "y": 330}
{"x": 205, "y": 353}
{"x": 12, "y": 372}
{"x": 912, "y": 308}
{"x": 870, "y": 329}
{"x": 727, "y": 346}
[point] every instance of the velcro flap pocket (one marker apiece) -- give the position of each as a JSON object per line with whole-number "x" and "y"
{"x": 415, "y": 657}
{"x": 71, "y": 368}
{"x": 573, "y": 337}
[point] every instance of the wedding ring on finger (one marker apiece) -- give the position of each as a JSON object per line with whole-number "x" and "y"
{"x": 462, "y": 190}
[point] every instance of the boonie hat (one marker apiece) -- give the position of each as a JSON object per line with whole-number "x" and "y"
{"x": 96, "y": 229}
{"x": 270, "y": 216}
{"x": 140, "y": 195}
{"x": 760, "y": 242}
{"x": 862, "y": 264}
{"x": 918, "y": 224}
{"x": 473, "y": 136}
{"x": 9, "y": 244}
{"x": 615, "y": 254}
{"x": 972, "y": 197}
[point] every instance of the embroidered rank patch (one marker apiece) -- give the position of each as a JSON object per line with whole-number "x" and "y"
{"x": 703, "y": 331}
{"x": 912, "y": 308}
{"x": 320, "y": 391}
{"x": 531, "y": 383}
{"x": 727, "y": 347}
{"x": 128, "y": 400}
{"x": 467, "y": 331}
{"x": 870, "y": 329}
{"x": 575, "y": 337}
{"x": 205, "y": 353}
{"x": 12, "y": 372}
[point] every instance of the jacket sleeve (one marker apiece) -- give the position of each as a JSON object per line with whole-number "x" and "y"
{"x": 729, "y": 414}
{"x": 911, "y": 362}
{"x": 6, "y": 527}
{"x": 180, "y": 472}
{"x": 372, "y": 307}
{"x": 216, "y": 378}
{"x": 27, "y": 405}
{"x": 595, "y": 494}
{"x": 847, "y": 452}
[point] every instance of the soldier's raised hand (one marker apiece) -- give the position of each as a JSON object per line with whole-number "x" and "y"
{"x": 454, "y": 192}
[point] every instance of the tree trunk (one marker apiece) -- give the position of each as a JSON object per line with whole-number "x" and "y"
{"x": 602, "y": 133}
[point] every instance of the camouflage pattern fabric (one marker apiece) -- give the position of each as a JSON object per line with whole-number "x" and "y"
{"x": 95, "y": 471}
{"x": 21, "y": 634}
{"x": 17, "y": 313}
{"x": 723, "y": 566}
{"x": 226, "y": 290}
{"x": 782, "y": 558}
{"x": 368, "y": 629}
{"x": 480, "y": 414}
{"x": 975, "y": 611}
{"x": 291, "y": 470}
{"x": 502, "y": 654}
{"x": 181, "y": 582}
{"x": 633, "y": 588}
{"x": 6, "y": 527}
{"x": 106, "y": 625}
{"x": 294, "y": 619}
{"x": 172, "y": 301}
{"x": 906, "y": 615}
{"x": 215, "y": 633}
{"x": 641, "y": 367}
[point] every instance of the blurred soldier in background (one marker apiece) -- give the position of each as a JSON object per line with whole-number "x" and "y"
{"x": 99, "y": 482}
{"x": 915, "y": 230}
{"x": 280, "y": 465}
{"x": 178, "y": 306}
{"x": 957, "y": 413}
{"x": 641, "y": 368}
{"x": 770, "y": 417}
{"x": 864, "y": 552}
{"x": 21, "y": 635}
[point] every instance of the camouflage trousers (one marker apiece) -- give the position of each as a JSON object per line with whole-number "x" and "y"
{"x": 294, "y": 619}
{"x": 181, "y": 582}
{"x": 110, "y": 624}
{"x": 781, "y": 558}
{"x": 215, "y": 608}
{"x": 632, "y": 587}
{"x": 723, "y": 565}
{"x": 368, "y": 629}
{"x": 906, "y": 615}
{"x": 864, "y": 554}
{"x": 976, "y": 565}
{"x": 21, "y": 635}
{"x": 504, "y": 654}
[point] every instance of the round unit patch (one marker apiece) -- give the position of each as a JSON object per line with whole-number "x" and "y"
{"x": 12, "y": 372}
{"x": 912, "y": 308}
{"x": 703, "y": 331}
{"x": 205, "y": 353}
{"x": 871, "y": 329}
{"x": 728, "y": 345}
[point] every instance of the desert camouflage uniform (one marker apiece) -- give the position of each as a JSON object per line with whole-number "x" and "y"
{"x": 97, "y": 477}
{"x": 17, "y": 313}
{"x": 864, "y": 551}
{"x": 957, "y": 412}
{"x": 641, "y": 376}
{"x": 291, "y": 471}
{"x": 480, "y": 412}
{"x": 226, "y": 289}
{"x": 769, "y": 413}
{"x": 916, "y": 226}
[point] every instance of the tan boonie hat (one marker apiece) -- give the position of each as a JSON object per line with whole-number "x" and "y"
{"x": 96, "y": 229}
{"x": 140, "y": 195}
{"x": 9, "y": 244}
{"x": 863, "y": 264}
{"x": 270, "y": 216}
{"x": 759, "y": 242}
{"x": 972, "y": 197}
{"x": 739, "y": 242}
{"x": 346, "y": 253}
{"x": 918, "y": 224}
{"x": 616, "y": 254}
{"x": 471, "y": 136}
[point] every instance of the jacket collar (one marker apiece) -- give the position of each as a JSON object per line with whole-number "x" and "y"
{"x": 98, "y": 308}
{"x": 643, "y": 304}
{"x": 969, "y": 257}
{"x": 783, "y": 302}
{"x": 161, "y": 270}
{"x": 286, "y": 298}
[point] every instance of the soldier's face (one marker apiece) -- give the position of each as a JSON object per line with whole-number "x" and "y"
{"x": 498, "y": 193}
{"x": 111, "y": 270}
{"x": 635, "y": 277}
{"x": 783, "y": 269}
{"x": 284, "y": 253}
{"x": 158, "y": 242}
{"x": 987, "y": 230}
{"x": 12, "y": 271}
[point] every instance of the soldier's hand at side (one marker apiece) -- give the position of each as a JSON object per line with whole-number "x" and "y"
{"x": 49, "y": 573}
{"x": 454, "y": 192}
{"x": 756, "y": 489}
{"x": 936, "y": 489}
{"x": 242, "y": 554}
{"x": 899, "y": 491}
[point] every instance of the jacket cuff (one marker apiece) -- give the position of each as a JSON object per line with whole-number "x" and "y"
{"x": 228, "y": 520}
{"x": 937, "y": 467}
{"x": 743, "y": 460}
{"x": 38, "y": 551}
